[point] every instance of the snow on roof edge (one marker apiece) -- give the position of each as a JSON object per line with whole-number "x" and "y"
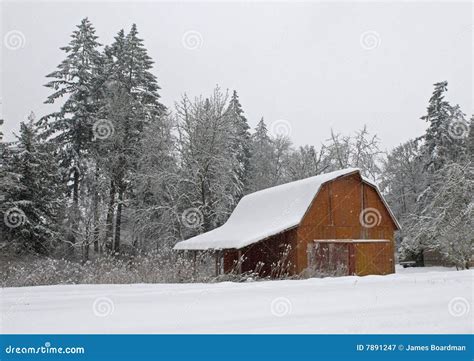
{"x": 199, "y": 242}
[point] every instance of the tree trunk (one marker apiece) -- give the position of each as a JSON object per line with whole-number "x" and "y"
{"x": 118, "y": 219}
{"x": 74, "y": 215}
{"x": 95, "y": 232}
{"x": 75, "y": 188}
{"x": 110, "y": 217}
{"x": 85, "y": 252}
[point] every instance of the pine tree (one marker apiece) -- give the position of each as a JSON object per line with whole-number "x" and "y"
{"x": 444, "y": 157}
{"x": 70, "y": 129}
{"x": 35, "y": 194}
{"x": 131, "y": 105}
{"x": 130, "y": 66}
{"x": 262, "y": 153}
{"x": 441, "y": 146}
{"x": 239, "y": 147}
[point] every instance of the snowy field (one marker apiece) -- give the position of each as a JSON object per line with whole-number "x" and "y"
{"x": 420, "y": 300}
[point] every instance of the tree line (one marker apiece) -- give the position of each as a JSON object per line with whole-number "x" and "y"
{"x": 114, "y": 170}
{"x": 429, "y": 183}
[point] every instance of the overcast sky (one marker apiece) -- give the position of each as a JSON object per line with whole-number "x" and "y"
{"x": 308, "y": 66}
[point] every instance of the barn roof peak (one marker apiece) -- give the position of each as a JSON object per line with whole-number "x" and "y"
{"x": 265, "y": 213}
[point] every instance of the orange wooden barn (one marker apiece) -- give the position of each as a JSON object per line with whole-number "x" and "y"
{"x": 332, "y": 224}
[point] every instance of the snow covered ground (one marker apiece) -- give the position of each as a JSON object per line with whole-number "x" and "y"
{"x": 419, "y": 300}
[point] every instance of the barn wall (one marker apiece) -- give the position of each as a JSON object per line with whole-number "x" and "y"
{"x": 360, "y": 258}
{"x": 268, "y": 252}
{"x": 385, "y": 228}
{"x": 334, "y": 214}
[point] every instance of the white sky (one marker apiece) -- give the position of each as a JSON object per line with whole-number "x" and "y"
{"x": 300, "y": 62}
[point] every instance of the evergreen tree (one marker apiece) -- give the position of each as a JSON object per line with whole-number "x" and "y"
{"x": 131, "y": 105}
{"x": 70, "y": 129}
{"x": 239, "y": 146}
{"x": 33, "y": 198}
{"x": 130, "y": 66}
{"x": 262, "y": 151}
{"x": 441, "y": 146}
{"x": 444, "y": 155}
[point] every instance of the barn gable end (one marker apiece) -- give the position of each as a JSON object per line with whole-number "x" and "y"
{"x": 336, "y": 212}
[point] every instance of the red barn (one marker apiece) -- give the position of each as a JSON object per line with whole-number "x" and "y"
{"x": 333, "y": 223}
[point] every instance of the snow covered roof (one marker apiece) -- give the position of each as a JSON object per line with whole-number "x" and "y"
{"x": 264, "y": 213}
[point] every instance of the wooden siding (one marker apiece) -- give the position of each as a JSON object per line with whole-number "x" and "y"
{"x": 353, "y": 258}
{"x": 334, "y": 214}
{"x": 373, "y": 259}
{"x": 267, "y": 252}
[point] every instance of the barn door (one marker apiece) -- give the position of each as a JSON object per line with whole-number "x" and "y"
{"x": 373, "y": 258}
{"x": 328, "y": 259}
